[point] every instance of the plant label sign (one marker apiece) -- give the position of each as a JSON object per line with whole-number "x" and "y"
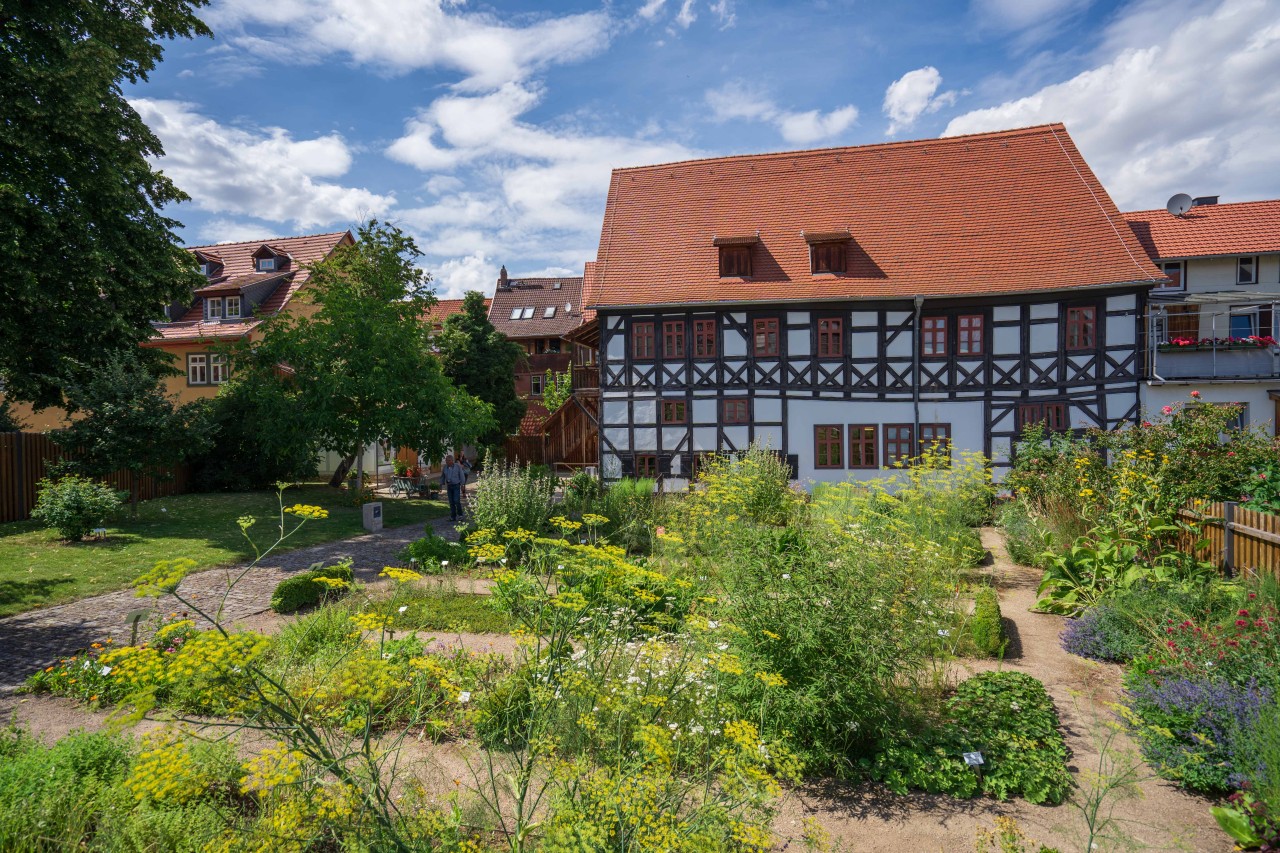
{"x": 372, "y": 516}
{"x": 973, "y": 759}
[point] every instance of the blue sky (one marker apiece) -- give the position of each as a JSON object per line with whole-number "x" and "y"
{"x": 487, "y": 130}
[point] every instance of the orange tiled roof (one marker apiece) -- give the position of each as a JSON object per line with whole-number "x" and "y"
{"x": 238, "y": 270}
{"x": 445, "y": 308}
{"x": 1242, "y": 228}
{"x": 588, "y": 290}
{"x": 1011, "y": 211}
{"x": 534, "y": 417}
{"x": 538, "y": 294}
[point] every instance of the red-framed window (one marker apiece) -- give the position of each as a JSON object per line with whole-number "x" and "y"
{"x": 899, "y": 443}
{"x": 827, "y": 257}
{"x": 765, "y": 340}
{"x": 1082, "y": 327}
{"x": 737, "y": 411}
{"x": 1052, "y": 415}
{"x": 830, "y": 338}
{"x": 704, "y": 338}
{"x": 642, "y": 340}
{"x": 646, "y": 466}
{"x": 969, "y": 334}
{"x": 673, "y": 339}
{"x": 862, "y": 446}
{"x": 933, "y": 336}
{"x": 735, "y": 261}
{"x": 675, "y": 411}
{"x": 828, "y": 446}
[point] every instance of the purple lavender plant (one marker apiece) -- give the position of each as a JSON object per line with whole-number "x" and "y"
{"x": 1103, "y": 633}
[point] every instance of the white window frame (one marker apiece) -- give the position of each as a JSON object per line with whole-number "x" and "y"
{"x": 197, "y": 368}
{"x": 535, "y": 385}
{"x": 1182, "y": 277}
{"x": 1253, "y": 269}
{"x": 1251, "y": 312}
{"x": 266, "y": 264}
{"x": 515, "y": 313}
{"x": 226, "y": 305}
{"x": 218, "y": 373}
{"x": 527, "y": 313}
{"x": 548, "y": 312}
{"x": 213, "y": 308}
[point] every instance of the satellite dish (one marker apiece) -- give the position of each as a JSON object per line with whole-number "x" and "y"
{"x": 1179, "y": 204}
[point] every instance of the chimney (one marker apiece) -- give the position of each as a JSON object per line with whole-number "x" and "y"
{"x": 1204, "y": 199}
{"x": 502, "y": 278}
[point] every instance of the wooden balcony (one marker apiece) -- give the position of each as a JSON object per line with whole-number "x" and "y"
{"x": 586, "y": 377}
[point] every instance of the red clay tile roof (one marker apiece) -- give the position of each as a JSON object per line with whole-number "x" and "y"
{"x": 445, "y": 308}
{"x": 588, "y": 290}
{"x": 1012, "y": 211}
{"x": 1243, "y": 228}
{"x": 534, "y": 417}
{"x": 538, "y": 294}
{"x": 238, "y": 270}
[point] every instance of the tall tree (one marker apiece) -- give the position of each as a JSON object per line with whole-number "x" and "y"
{"x": 479, "y": 358}
{"x": 128, "y": 423}
{"x": 88, "y": 259}
{"x": 363, "y": 363}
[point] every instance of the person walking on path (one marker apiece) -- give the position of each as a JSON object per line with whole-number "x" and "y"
{"x": 454, "y": 477}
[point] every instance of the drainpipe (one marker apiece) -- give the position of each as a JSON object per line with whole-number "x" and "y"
{"x": 915, "y": 371}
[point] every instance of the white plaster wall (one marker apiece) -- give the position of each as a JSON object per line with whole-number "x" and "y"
{"x": 617, "y": 349}
{"x": 644, "y": 411}
{"x": 904, "y": 344}
{"x": 1123, "y": 302}
{"x": 704, "y": 411}
{"x": 767, "y": 410}
{"x": 673, "y": 437}
{"x": 1044, "y": 311}
{"x": 1261, "y": 411}
{"x": 704, "y": 439}
{"x": 646, "y": 438}
{"x": 863, "y": 344}
{"x": 739, "y": 435}
{"x": 1005, "y": 313}
{"x": 1044, "y": 337}
{"x": 619, "y": 438}
{"x": 614, "y": 412}
{"x": 770, "y": 437}
{"x": 797, "y": 342}
{"x": 1121, "y": 331}
{"x": 797, "y": 317}
{"x": 1007, "y": 340}
{"x": 733, "y": 344}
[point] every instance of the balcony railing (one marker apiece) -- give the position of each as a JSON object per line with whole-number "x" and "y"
{"x": 586, "y": 377}
{"x": 1211, "y": 345}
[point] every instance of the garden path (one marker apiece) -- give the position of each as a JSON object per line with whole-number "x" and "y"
{"x": 868, "y": 818}
{"x": 36, "y": 638}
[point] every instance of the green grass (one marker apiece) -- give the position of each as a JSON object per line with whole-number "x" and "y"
{"x": 37, "y": 569}
{"x": 447, "y": 611}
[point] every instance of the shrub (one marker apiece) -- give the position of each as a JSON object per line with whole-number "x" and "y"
{"x": 508, "y": 496}
{"x": 986, "y": 628}
{"x": 432, "y": 552}
{"x": 631, "y": 507}
{"x": 1026, "y": 537}
{"x": 260, "y": 436}
{"x": 304, "y": 590}
{"x": 582, "y": 492}
{"x": 1252, "y": 815}
{"x": 74, "y": 505}
{"x": 1010, "y": 719}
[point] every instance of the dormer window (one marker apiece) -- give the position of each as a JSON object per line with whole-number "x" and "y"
{"x": 735, "y": 254}
{"x": 515, "y": 313}
{"x": 827, "y": 250}
{"x": 232, "y": 307}
{"x": 266, "y": 264}
{"x": 213, "y": 308}
{"x": 549, "y": 312}
{"x": 527, "y": 313}
{"x": 204, "y": 269}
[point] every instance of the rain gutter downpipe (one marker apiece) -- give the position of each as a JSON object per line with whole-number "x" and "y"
{"x": 917, "y": 343}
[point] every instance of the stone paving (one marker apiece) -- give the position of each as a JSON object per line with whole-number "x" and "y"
{"x": 37, "y": 638}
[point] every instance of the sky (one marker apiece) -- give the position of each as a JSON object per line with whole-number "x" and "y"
{"x": 488, "y": 130}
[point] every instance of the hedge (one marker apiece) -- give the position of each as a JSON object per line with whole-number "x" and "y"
{"x": 303, "y": 590}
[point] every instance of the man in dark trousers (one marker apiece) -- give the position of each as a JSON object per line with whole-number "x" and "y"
{"x": 454, "y": 477}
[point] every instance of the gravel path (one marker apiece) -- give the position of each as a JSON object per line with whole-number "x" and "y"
{"x": 1164, "y": 817}
{"x": 36, "y": 638}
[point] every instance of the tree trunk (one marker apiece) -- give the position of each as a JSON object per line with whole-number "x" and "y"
{"x": 360, "y": 475}
{"x": 341, "y": 474}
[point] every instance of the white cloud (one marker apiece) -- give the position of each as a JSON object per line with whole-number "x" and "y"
{"x": 1013, "y": 15}
{"x": 259, "y": 172}
{"x": 737, "y": 101}
{"x": 723, "y": 10}
{"x": 1192, "y": 107}
{"x": 651, "y": 9}
{"x": 529, "y": 189}
{"x": 912, "y": 95}
{"x": 233, "y": 231}
{"x": 686, "y": 16}
{"x": 456, "y": 276}
{"x": 403, "y": 35}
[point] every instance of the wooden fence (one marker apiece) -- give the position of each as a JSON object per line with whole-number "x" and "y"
{"x": 1238, "y": 540}
{"x": 526, "y": 449}
{"x": 22, "y": 463}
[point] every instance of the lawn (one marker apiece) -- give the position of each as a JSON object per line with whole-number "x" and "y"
{"x": 37, "y": 569}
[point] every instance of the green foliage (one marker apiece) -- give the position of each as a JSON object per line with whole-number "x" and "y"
{"x": 557, "y": 389}
{"x": 127, "y": 423}
{"x": 631, "y": 506}
{"x": 305, "y": 590}
{"x": 1263, "y": 487}
{"x": 9, "y": 422}
{"x": 261, "y": 436}
{"x": 89, "y": 259}
{"x": 435, "y": 554}
{"x": 479, "y": 359}
{"x": 74, "y": 506}
{"x": 986, "y": 627}
{"x": 508, "y": 496}
{"x": 364, "y": 364}
{"x": 1026, "y": 536}
{"x": 446, "y": 610}
{"x": 1010, "y": 719}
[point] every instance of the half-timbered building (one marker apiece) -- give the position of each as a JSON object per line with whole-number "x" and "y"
{"x": 848, "y": 306}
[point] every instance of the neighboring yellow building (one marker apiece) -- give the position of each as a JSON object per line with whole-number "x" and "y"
{"x": 247, "y": 282}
